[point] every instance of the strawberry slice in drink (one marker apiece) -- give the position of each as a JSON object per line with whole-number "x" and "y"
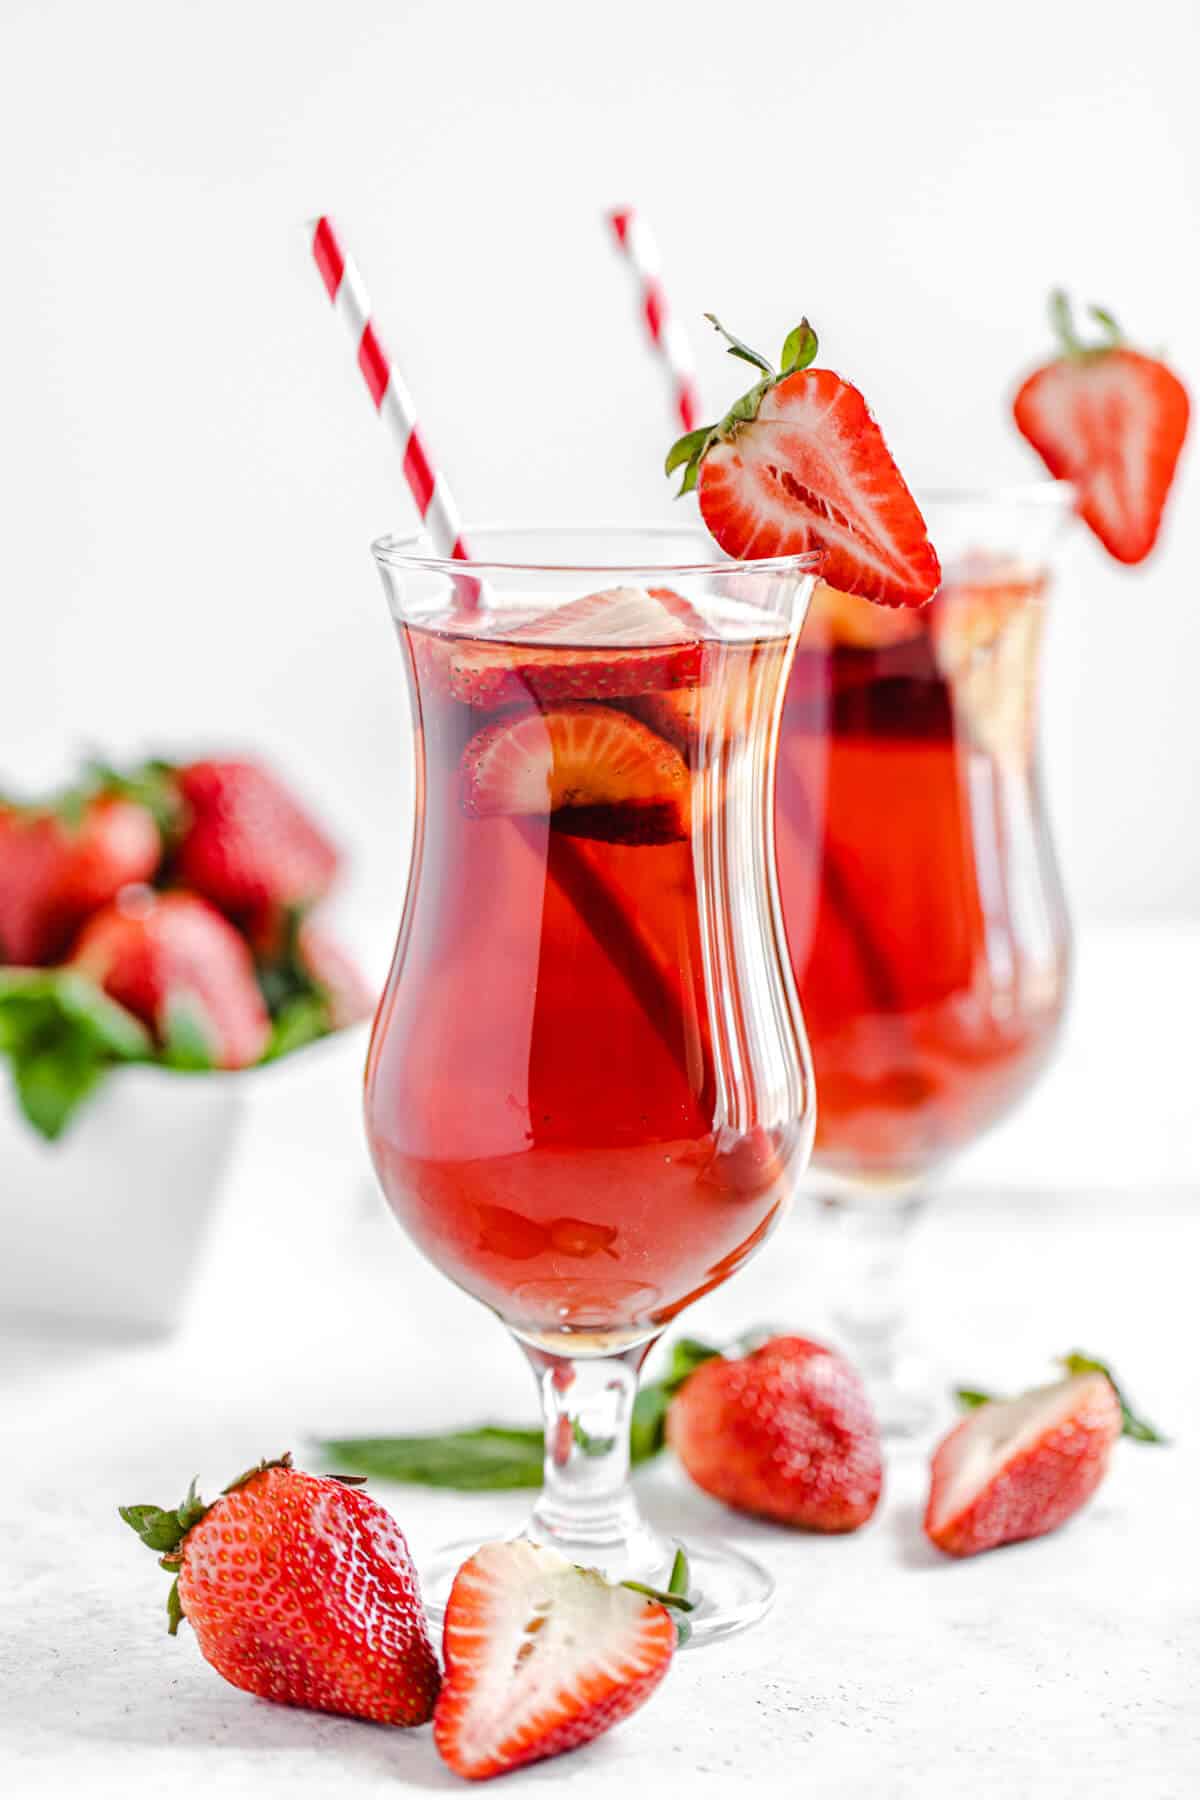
{"x": 603, "y": 646}
{"x": 598, "y": 772}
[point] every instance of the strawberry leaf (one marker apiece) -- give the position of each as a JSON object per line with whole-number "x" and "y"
{"x": 174, "y": 1609}
{"x": 1140, "y": 1430}
{"x": 735, "y": 347}
{"x": 1064, "y": 328}
{"x": 1063, "y": 323}
{"x": 799, "y": 348}
{"x": 687, "y": 448}
{"x": 969, "y": 1398}
{"x": 1108, "y": 324}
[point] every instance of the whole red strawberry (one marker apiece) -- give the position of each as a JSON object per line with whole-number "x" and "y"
{"x": 786, "y": 1433}
{"x": 299, "y": 1589}
{"x": 1014, "y": 1469}
{"x": 335, "y": 975}
{"x": 799, "y": 464}
{"x": 59, "y": 863}
{"x": 541, "y": 1656}
{"x": 178, "y": 965}
{"x": 1112, "y": 421}
{"x": 247, "y": 844}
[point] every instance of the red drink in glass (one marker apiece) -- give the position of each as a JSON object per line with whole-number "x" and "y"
{"x": 924, "y": 914}
{"x": 543, "y": 1105}
{"x": 589, "y": 1096}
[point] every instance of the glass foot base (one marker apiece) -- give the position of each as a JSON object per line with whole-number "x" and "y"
{"x": 731, "y": 1590}
{"x": 905, "y": 1400}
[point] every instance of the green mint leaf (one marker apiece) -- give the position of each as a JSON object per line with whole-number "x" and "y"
{"x": 681, "y": 1574}
{"x": 589, "y": 1444}
{"x": 37, "y": 1004}
{"x": 648, "y": 1426}
{"x": 52, "y": 1083}
{"x": 61, "y": 1032}
{"x": 188, "y": 1037}
{"x": 687, "y": 448}
{"x": 112, "y": 1029}
{"x": 687, "y": 1354}
{"x": 298, "y": 1021}
{"x": 969, "y": 1398}
{"x": 799, "y": 349}
{"x": 489, "y": 1457}
{"x": 735, "y": 347}
{"x": 1139, "y": 1429}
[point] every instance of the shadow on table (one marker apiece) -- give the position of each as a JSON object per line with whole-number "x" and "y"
{"x": 224, "y": 1721}
{"x": 913, "y": 1548}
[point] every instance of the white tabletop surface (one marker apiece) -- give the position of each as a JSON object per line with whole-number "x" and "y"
{"x": 1065, "y": 1666}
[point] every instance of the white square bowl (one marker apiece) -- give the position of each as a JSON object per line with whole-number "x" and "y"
{"x": 104, "y": 1227}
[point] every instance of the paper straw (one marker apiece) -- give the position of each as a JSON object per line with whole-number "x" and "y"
{"x": 636, "y": 240}
{"x": 634, "y": 960}
{"x": 393, "y": 402}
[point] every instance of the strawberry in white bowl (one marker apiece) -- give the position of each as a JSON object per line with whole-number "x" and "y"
{"x": 158, "y": 943}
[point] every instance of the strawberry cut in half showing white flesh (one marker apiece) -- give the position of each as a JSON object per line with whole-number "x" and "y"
{"x": 598, "y": 772}
{"x": 541, "y": 1656}
{"x": 603, "y": 646}
{"x": 799, "y": 464}
{"x": 1111, "y": 421}
{"x": 1014, "y": 1469}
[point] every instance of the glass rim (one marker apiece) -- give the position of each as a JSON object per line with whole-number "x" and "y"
{"x": 410, "y": 550}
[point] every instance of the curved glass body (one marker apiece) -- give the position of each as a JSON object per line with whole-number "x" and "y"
{"x": 924, "y": 909}
{"x": 588, "y": 1091}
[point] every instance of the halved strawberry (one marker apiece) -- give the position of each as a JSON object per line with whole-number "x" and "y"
{"x": 599, "y": 772}
{"x": 541, "y": 1656}
{"x": 602, "y": 646}
{"x": 799, "y": 464}
{"x": 1112, "y": 421}
{"x": 1017, "y": 1468}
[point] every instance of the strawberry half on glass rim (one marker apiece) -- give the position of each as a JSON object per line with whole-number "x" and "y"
{"x": 799, "y": 464}
{"x": 1111, "y": 421}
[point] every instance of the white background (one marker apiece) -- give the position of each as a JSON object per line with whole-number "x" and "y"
{"x": 192, "y": 472}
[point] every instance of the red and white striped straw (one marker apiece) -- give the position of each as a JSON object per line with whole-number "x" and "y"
{"x": 636, "y": 239}
{"x": 393, "y": 402}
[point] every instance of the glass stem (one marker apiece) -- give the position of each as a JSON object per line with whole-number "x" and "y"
{"x": 586, "y": 1510}
{"x": 872, "y": 1235}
